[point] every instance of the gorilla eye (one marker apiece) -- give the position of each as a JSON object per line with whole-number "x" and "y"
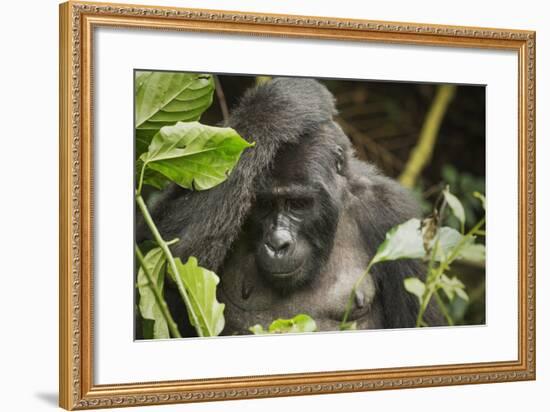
{"x": 299, "y": 204}
{"x": 265, "y": 204}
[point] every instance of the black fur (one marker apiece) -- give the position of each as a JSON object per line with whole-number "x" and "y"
{"x": 215, "y": 226}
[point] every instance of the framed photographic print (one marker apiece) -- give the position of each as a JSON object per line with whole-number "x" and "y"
{"x": 258, "y": 205}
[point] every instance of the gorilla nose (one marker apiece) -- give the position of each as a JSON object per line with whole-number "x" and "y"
{"x": 279, "y": 241}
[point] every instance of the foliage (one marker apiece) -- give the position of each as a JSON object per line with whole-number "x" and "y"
{"x": 298, "y": 324}
{"x": 163, "y": 99}
{"x": 148, "y": 305}
{"x": 439, "y": 247}
{"x": 171, "y": 146}
{"x": 201, "y": 285}
{"x": 456, "y": 207}
{"x": 157, "y": 320}
{"x": 402, "y": 242}
{"x": 464, "y": 186}
{"x": 192, "y": 155}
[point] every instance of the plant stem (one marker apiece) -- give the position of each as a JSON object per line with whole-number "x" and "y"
{"x": 457, "y": 248}
{"x": 158, "y": 296}
{"x": 172, "y": 242}
{"x": 352, "y": 295}
{"x": 140, "y": 181}
{"x": 443, "y": 309}
{"x": 431, "y": 275}
{"x": 166, "y": 250}
{"x": 426, "y": 299}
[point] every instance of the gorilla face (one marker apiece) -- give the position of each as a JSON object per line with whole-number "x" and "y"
{"x": 283, "y": 251}
{"x": 294, "y": 218}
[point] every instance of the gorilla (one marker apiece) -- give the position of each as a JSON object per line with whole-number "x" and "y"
{"x": 295, "y": 224}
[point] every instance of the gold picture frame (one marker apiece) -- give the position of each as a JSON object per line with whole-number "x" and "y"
{"x": 76, "y": 384}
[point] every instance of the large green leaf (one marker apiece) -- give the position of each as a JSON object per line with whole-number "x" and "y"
{"x": 193, "y": 155}
{"x": 298, "y": 324}
{"x": 150, "y": 311}
{"x": 402, "y": 242}
{"x": 164, "y": 98}
{"x": 200, "y": 285}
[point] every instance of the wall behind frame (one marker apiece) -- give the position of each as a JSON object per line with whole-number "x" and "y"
{"x": 28, "y": 204}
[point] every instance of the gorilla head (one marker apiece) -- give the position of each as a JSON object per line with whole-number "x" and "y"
{"x": 295, "y": 214}
{"x": 296, "y": 223}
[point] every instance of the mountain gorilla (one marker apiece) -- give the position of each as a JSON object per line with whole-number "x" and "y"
{"x": 297, "y": 221}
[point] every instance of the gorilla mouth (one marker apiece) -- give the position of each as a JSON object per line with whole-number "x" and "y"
{"x": 284, "y": 280}
{"x": 280, "y": 268}
{"x": 286, "y": 273}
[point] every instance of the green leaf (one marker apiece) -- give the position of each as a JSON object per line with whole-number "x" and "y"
{"x": 452, "y": 287}
{"x": 201, "y": 285}
{"x": 155, "y": 262}
{"x": 481, "y": 198}
{"x": 165, "y": 98}
{"x": 406, "y": 241}
{"x": 258, "y": 330}
{"x": 171, "y": 97}
{"x": 298, "y": 324}
{"x": 416, "y": 287}
{"x": 461, "y": 293}
{"x": 150, "y": 176}
{"x": 349, "y": 325}
{"x": 402, "y": 242}
{"x": 148, "y": 328}
{"x": 193, "y": 155}
{"x": 473, "y": 253}
{"x": 447, "y": 239}
{"x": 455, "y": 205}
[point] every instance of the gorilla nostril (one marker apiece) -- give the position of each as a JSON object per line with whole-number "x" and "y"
{"x": 279, "y": 241}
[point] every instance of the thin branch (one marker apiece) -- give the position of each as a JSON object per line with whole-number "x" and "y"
{"x": 444, "y": 309}
{"x": 221, "y": 99}
{"x": 422, "y": 152}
